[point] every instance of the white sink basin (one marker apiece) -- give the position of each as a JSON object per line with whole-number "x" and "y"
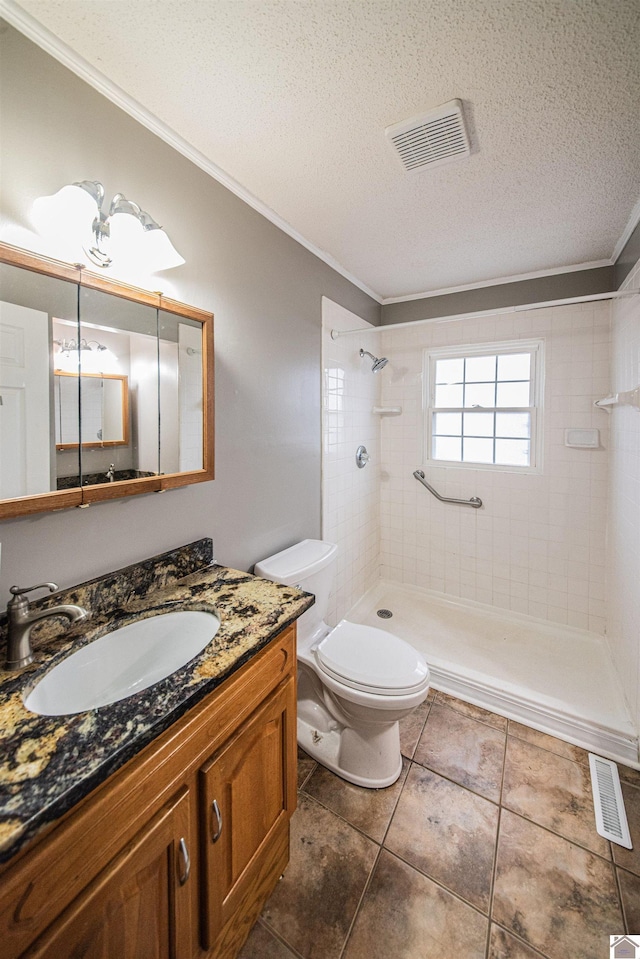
{"x": 123, "y": 662}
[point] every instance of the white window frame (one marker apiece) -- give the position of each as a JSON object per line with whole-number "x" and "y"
{"x": 535, "y": 408}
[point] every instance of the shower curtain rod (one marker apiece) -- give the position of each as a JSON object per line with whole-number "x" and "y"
{"x": 520, "y": 308}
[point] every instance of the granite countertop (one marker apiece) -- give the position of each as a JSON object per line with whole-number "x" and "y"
{"x": 49, "y": 763}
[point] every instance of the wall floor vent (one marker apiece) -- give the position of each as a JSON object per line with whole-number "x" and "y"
{"x": 432, "y": 138}
{"x": 611, "y": 818}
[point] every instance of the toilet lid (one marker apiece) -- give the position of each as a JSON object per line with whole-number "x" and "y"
{"x": 364, "y": 657}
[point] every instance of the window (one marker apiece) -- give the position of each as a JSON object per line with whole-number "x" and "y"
{"x": 481, "y": 404}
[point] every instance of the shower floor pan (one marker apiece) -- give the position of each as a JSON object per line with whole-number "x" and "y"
{"x": 555, "y": 678}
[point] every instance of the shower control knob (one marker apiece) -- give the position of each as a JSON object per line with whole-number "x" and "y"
{"x": 362, "y": 457}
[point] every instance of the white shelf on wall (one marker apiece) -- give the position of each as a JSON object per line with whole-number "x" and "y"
{"x": 624, "y": 398}
{"x": 387, "y": 410}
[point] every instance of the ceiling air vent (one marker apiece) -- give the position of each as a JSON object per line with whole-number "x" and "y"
{"x": 431, "y": 139}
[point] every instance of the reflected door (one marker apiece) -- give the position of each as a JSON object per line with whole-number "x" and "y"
{"x": 25, "y": 467}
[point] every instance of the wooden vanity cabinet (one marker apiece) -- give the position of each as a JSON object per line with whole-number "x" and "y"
{"x": 138, "y": 905}
{"x": 174, "y": 856}
{"x": 245, "y": 799}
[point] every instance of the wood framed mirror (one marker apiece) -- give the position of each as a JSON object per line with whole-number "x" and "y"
{"x": 106, "y": 390}
{"x": 103, "y": 399}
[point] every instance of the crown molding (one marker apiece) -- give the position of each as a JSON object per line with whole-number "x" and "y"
{"x": 47, "y": 41}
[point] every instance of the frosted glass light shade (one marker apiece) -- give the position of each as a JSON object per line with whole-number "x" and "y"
{"x": 126, "y": 237}
{"x": 159, "y": 252}
{"x": 68, "y": 361}
{"x": 67, "y": 215}
{"x": 99, "y": 361}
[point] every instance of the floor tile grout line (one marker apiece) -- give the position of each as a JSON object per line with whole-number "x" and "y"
{"x": 424, "y": 725}
{"x": 630, "y": 872}
{"x": 575, "y": 842}
{"x": 276, "y": 935}
{"x": 623, "y": 912}
{"x": 572, "y": 842}
{"x": 347, "y": 822}
{"x": 497, "y": 843}
{"x": 454, "y": 782}
{"x": 360, "y": 901}
{"x": 420, "y": 735}
{"x": 476, "y": 719}
{"x": 308, "y": 776}
{"x": 366, "y": 886}
{"x": 395, "y": 805}
{"x": 436, "y": 882}
{"x": 545, "y": 748}
{"x": 518, "y": 938}
{"x": 627, "y": 783}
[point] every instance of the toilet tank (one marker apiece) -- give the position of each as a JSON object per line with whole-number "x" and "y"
{"x": 311, "y": 566}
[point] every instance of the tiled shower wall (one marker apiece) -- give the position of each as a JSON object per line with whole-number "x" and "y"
{"x": 350, "y": 505}
{"x": 538, "y": 544}
{"x": 623, "y": 539}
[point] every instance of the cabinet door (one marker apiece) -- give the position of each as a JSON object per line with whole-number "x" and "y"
{"x": 138, "y": 907}
{"x": 247, "y": 801}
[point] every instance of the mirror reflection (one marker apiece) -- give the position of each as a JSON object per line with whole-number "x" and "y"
{"x": 28, "y": 303}
{"x": 96, "y": 387}
{"x": 127, "y": 333}
{"x": 181, "y": 390}
{"x": 104, "y": 399}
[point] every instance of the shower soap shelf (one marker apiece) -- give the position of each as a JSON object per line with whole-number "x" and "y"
{"x": 387, "y": 410}
{"x": 624, "y": 398}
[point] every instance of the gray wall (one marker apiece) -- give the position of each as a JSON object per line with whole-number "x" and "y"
{"x": 578, "y": 283}
{"x": 629, "y": 256}
{"x": 265, "y": 291}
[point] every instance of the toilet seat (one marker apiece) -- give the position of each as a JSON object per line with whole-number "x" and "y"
{"x": 371, "y": 660}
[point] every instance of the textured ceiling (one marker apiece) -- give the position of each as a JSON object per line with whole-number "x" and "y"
{"x": 292, "y": 99}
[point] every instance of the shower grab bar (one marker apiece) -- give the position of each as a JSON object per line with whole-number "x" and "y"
{"x": 475, "y": 501}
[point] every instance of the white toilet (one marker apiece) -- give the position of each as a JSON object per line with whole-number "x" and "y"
{"x": 354, "y": 682}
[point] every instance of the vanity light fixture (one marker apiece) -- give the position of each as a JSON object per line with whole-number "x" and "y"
{"x": 77, "y": 346}
{"x": 126, "y": 235}
{"x": 96, "y": 359}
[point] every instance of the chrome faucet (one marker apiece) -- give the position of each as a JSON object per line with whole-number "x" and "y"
{"x": 21, "y": 619}
{"x": 111, "y": 472}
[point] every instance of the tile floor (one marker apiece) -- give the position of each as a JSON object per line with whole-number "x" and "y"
{"x": 485, "y": 848}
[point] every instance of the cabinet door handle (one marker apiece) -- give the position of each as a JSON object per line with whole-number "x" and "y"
{"x": 186, "y": 862}
{"x": 216, "y": 821}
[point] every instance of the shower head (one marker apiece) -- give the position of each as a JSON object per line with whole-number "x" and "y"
{"x": 378, "y": 364}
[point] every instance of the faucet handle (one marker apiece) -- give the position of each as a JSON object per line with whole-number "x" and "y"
{"x": 18, "y": 590}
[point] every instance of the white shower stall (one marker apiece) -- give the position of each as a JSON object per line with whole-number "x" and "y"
{"x": 530, "y": 605}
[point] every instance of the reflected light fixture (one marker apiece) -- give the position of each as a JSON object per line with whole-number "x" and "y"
{"x": 126, "y": 236}
{"x": 96, "y": 359}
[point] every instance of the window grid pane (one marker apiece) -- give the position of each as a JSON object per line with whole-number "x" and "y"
{"x": 447, "y": 448}
{"x": 482, "y": 411}
{"x": 479, "y": 424}
{"x": 514, "y": 366}
{"x": 480, "y": 394}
